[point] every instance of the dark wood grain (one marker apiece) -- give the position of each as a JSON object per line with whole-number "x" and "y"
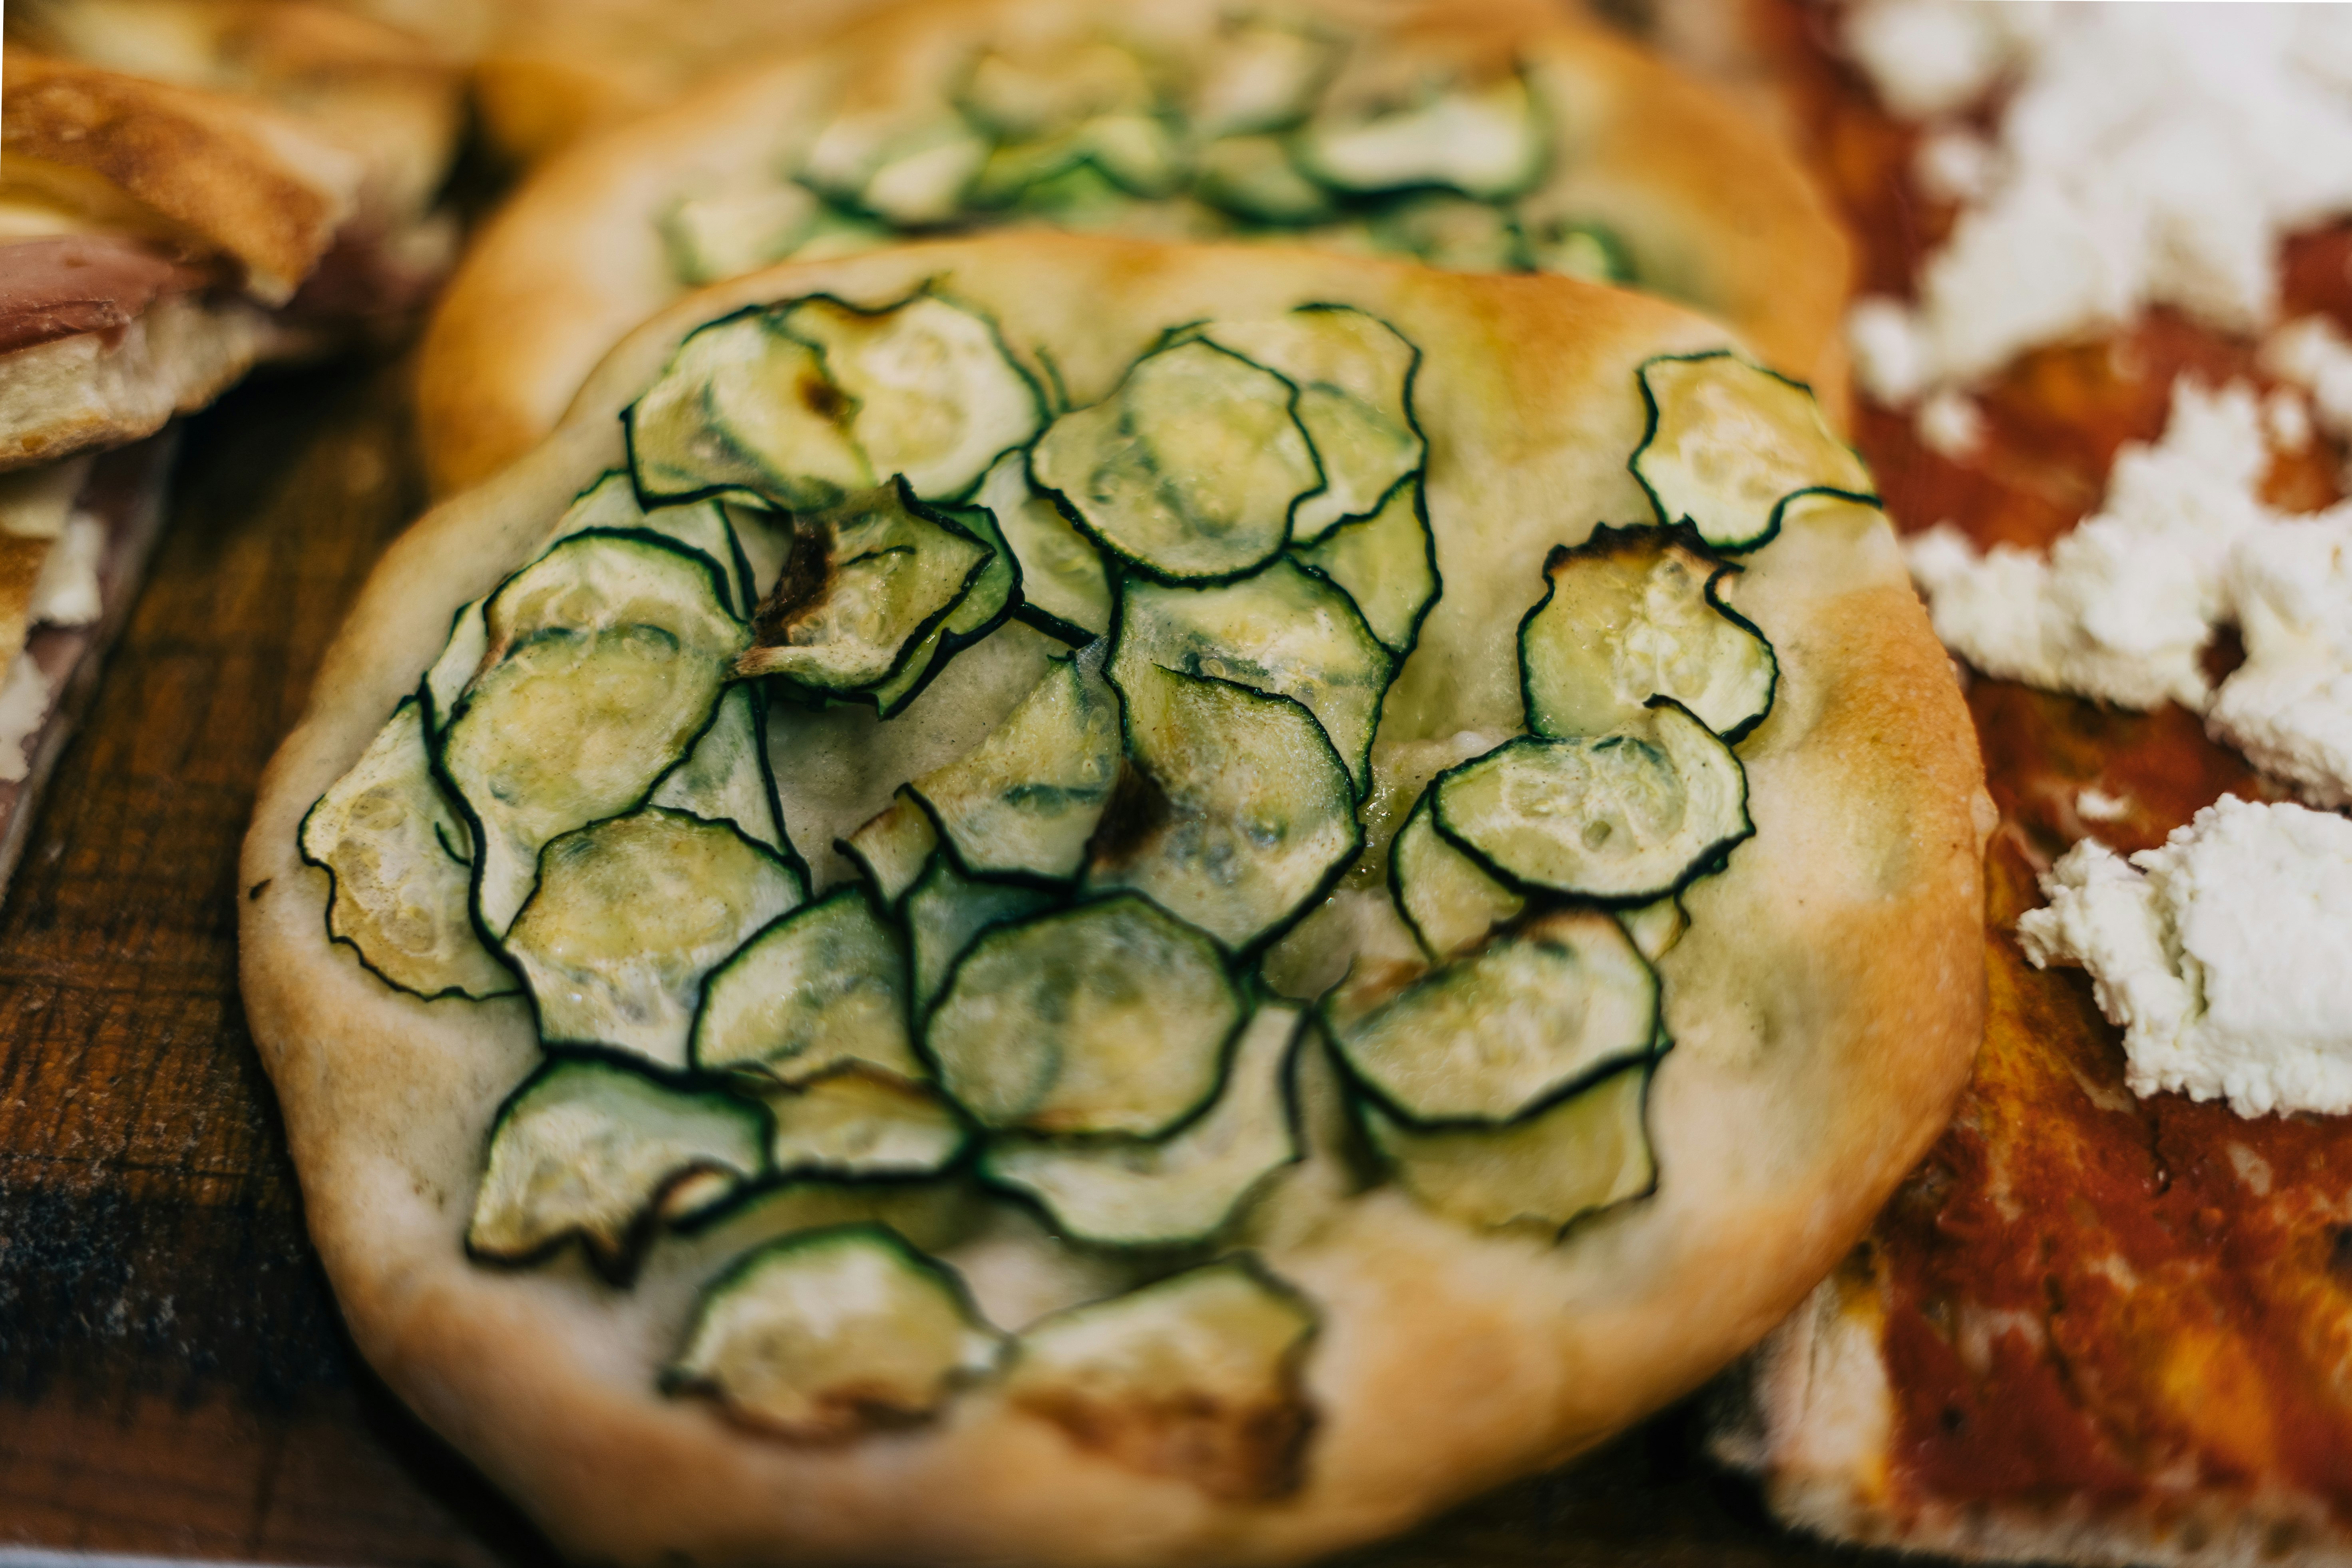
{"x": 173, "y": 1379}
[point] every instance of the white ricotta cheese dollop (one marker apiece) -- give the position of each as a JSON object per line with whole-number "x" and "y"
{"x": 2289, "y": 707}
{"x": 2144, "y": 155}
{"x": 2222, "y": 954}
{"x": 2122, "y": 608}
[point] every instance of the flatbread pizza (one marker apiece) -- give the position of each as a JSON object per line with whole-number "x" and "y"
{"x": 1499, "y": 136}
{"x": 1053, "y": 898}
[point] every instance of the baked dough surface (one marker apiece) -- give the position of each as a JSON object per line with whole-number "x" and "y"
{"x": 1825, "y": 1003}
{"x": 1711, "y": 209}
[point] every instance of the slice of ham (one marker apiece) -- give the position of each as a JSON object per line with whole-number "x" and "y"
{"x": 59, "y": 285}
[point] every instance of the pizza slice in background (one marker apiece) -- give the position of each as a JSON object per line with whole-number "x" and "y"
{"x": 2102, "y": 339}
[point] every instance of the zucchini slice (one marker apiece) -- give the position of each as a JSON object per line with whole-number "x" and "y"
{"x": 1622, "y": 818}
{"x": 829, "y": 1334}
{"x": 856, "y": 1123}
{"x": 1136, "y": 153}
{"x": 893, "y": 847}
{"x": 1450, "y": 903}
{"x": 629, "y": 915}
{"x": 1113, "y": 1017}
{"x": 867, "y": 582}
{"x": 603, "y": 664}
{"x": 1197, "y": 1377}
{"x": 726, "y": 777}
{"x": 1629, "y": 615}
{"x": 1023, "y": 91}
{"x": 1025, "y": 802}
{"x": 935, "y": 394}
{"x": 1065, "y": 591}
{"x": 1354, "y": 374}
{"x": 987, "y": 604}
{"x": 745, "y": 408}
{"x": 1547, "y": 1170}
{"x": 460, "y": 662}
{"x": 913, "y": 173}
{"x": 1241, "y": 815}
{"x": 1283, "y": 630}
{"x": 1731, "y": 444}
{"x": 1486, "y": 140}
{"x": 397, "y": 895}
{"x": 1386, "y": 562}
{"x": 1445, "y": 229}
{"x": 1183, "y": 1188}
{"x": 1487, "y": 1037}
{"x": 611, "y": 505}
{"x": 1253, "y": 177}
{"x": 1190, "y": 470}
{"x": 725, "y": 234}
{"x": 823, "y": 986}
{"x": 594, "y": 1150}
{"x": 1263, "y": 75}
{"x": 945, "y": 913}
{"x": 1579, "y": 249}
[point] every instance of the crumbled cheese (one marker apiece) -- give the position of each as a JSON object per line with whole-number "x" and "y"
{"x": 24, "y": 703}
{"x": 2096, "y": 805}
{"x": 1950, "y": 423}
{"x": 1955, "y": 165}
{"x": 2314, "y": 354}
{"x": 65, "y": 593}
{"x": 1890, "y": 352}
{"x": 2286, "y": 419}
{"x": 2221, "y": 954}
{"x": 2121, "y": 608}
{"x": 2289, "y": 707}
{"x": 2146, "y": 155}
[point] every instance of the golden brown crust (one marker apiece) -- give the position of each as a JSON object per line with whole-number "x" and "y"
{"x": 1708, "y": 204}
{"x": 1824, "y": 1005}
{"x": 97, "y": 390}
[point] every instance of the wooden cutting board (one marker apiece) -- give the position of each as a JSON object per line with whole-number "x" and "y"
{"x": 173, "y": 1378}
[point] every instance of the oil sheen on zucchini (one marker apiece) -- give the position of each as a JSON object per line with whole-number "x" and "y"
{"x": 629, "y": 915}
{"x": 1629, "y": 615}
{"x": 1626, "y": 818}
{"x": 1484, "y": 1038}
{"x": 1198, "y": 1377}
{"x": 1110, "y": 1018}
{"x": 823, "y": 986}
{"x": 603, "y": 665}
{"x": 594, "y": 1150}
{"x": 385, "y": 833}
{"x": 823, "y": 1336}
{"x": 1546, "y": 1170}
{"x": 1179, "y": 1189}
{"x": 1729, "y": 445}
{"x": 1237, "y": 814}
{"x": 1190, "y": 470}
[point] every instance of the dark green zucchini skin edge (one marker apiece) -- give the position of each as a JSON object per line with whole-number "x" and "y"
{"x": 1705, "y": 863}
{"x": 858, "y": 890}
{"x": 556, "y": 1046}
{"x": 1606, "y": 535}
{"x": 1539, "y": 168}
{"x": 947, "y": 849}
{"x": 620, "y": 1270}
{"x": 1331, "y": 879}
{"x": 1379, "y": 706}
{"x": 1395, "y": 879}
{"x": 436, "y": 743}
{"x": 954, "y": 643}
{"x": 1111, "y": 552}
{"x": 1293, "y": 1121}
{"x": 335, "y": 890}
{"x": 1647, "y": 1064}
{"x": 672, "y": 1382}
{"x": 1780, "y": 508}
{"x": 1418, "y": 479}
{"x": 869, "y": 695}
{"x": 1360, "y": 1087}
{"x": 1190, "y": 1114}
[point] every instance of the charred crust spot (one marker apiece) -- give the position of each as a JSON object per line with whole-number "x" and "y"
{"x": 255, "y": 891}
{"x": 807, "y": 575}
{"x": 1239, "y": 1453}
{"x": 1136, "y": 811}
{"x": 821, "y": 397}
{"x": 2339, "y": 1255}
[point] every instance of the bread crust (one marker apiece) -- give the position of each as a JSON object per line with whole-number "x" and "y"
{"x": 96, "y": 390}
{"x": 1825, "y": 1005}
{"x": 226, "y": 175}
{"x": 1710, "y": 204}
